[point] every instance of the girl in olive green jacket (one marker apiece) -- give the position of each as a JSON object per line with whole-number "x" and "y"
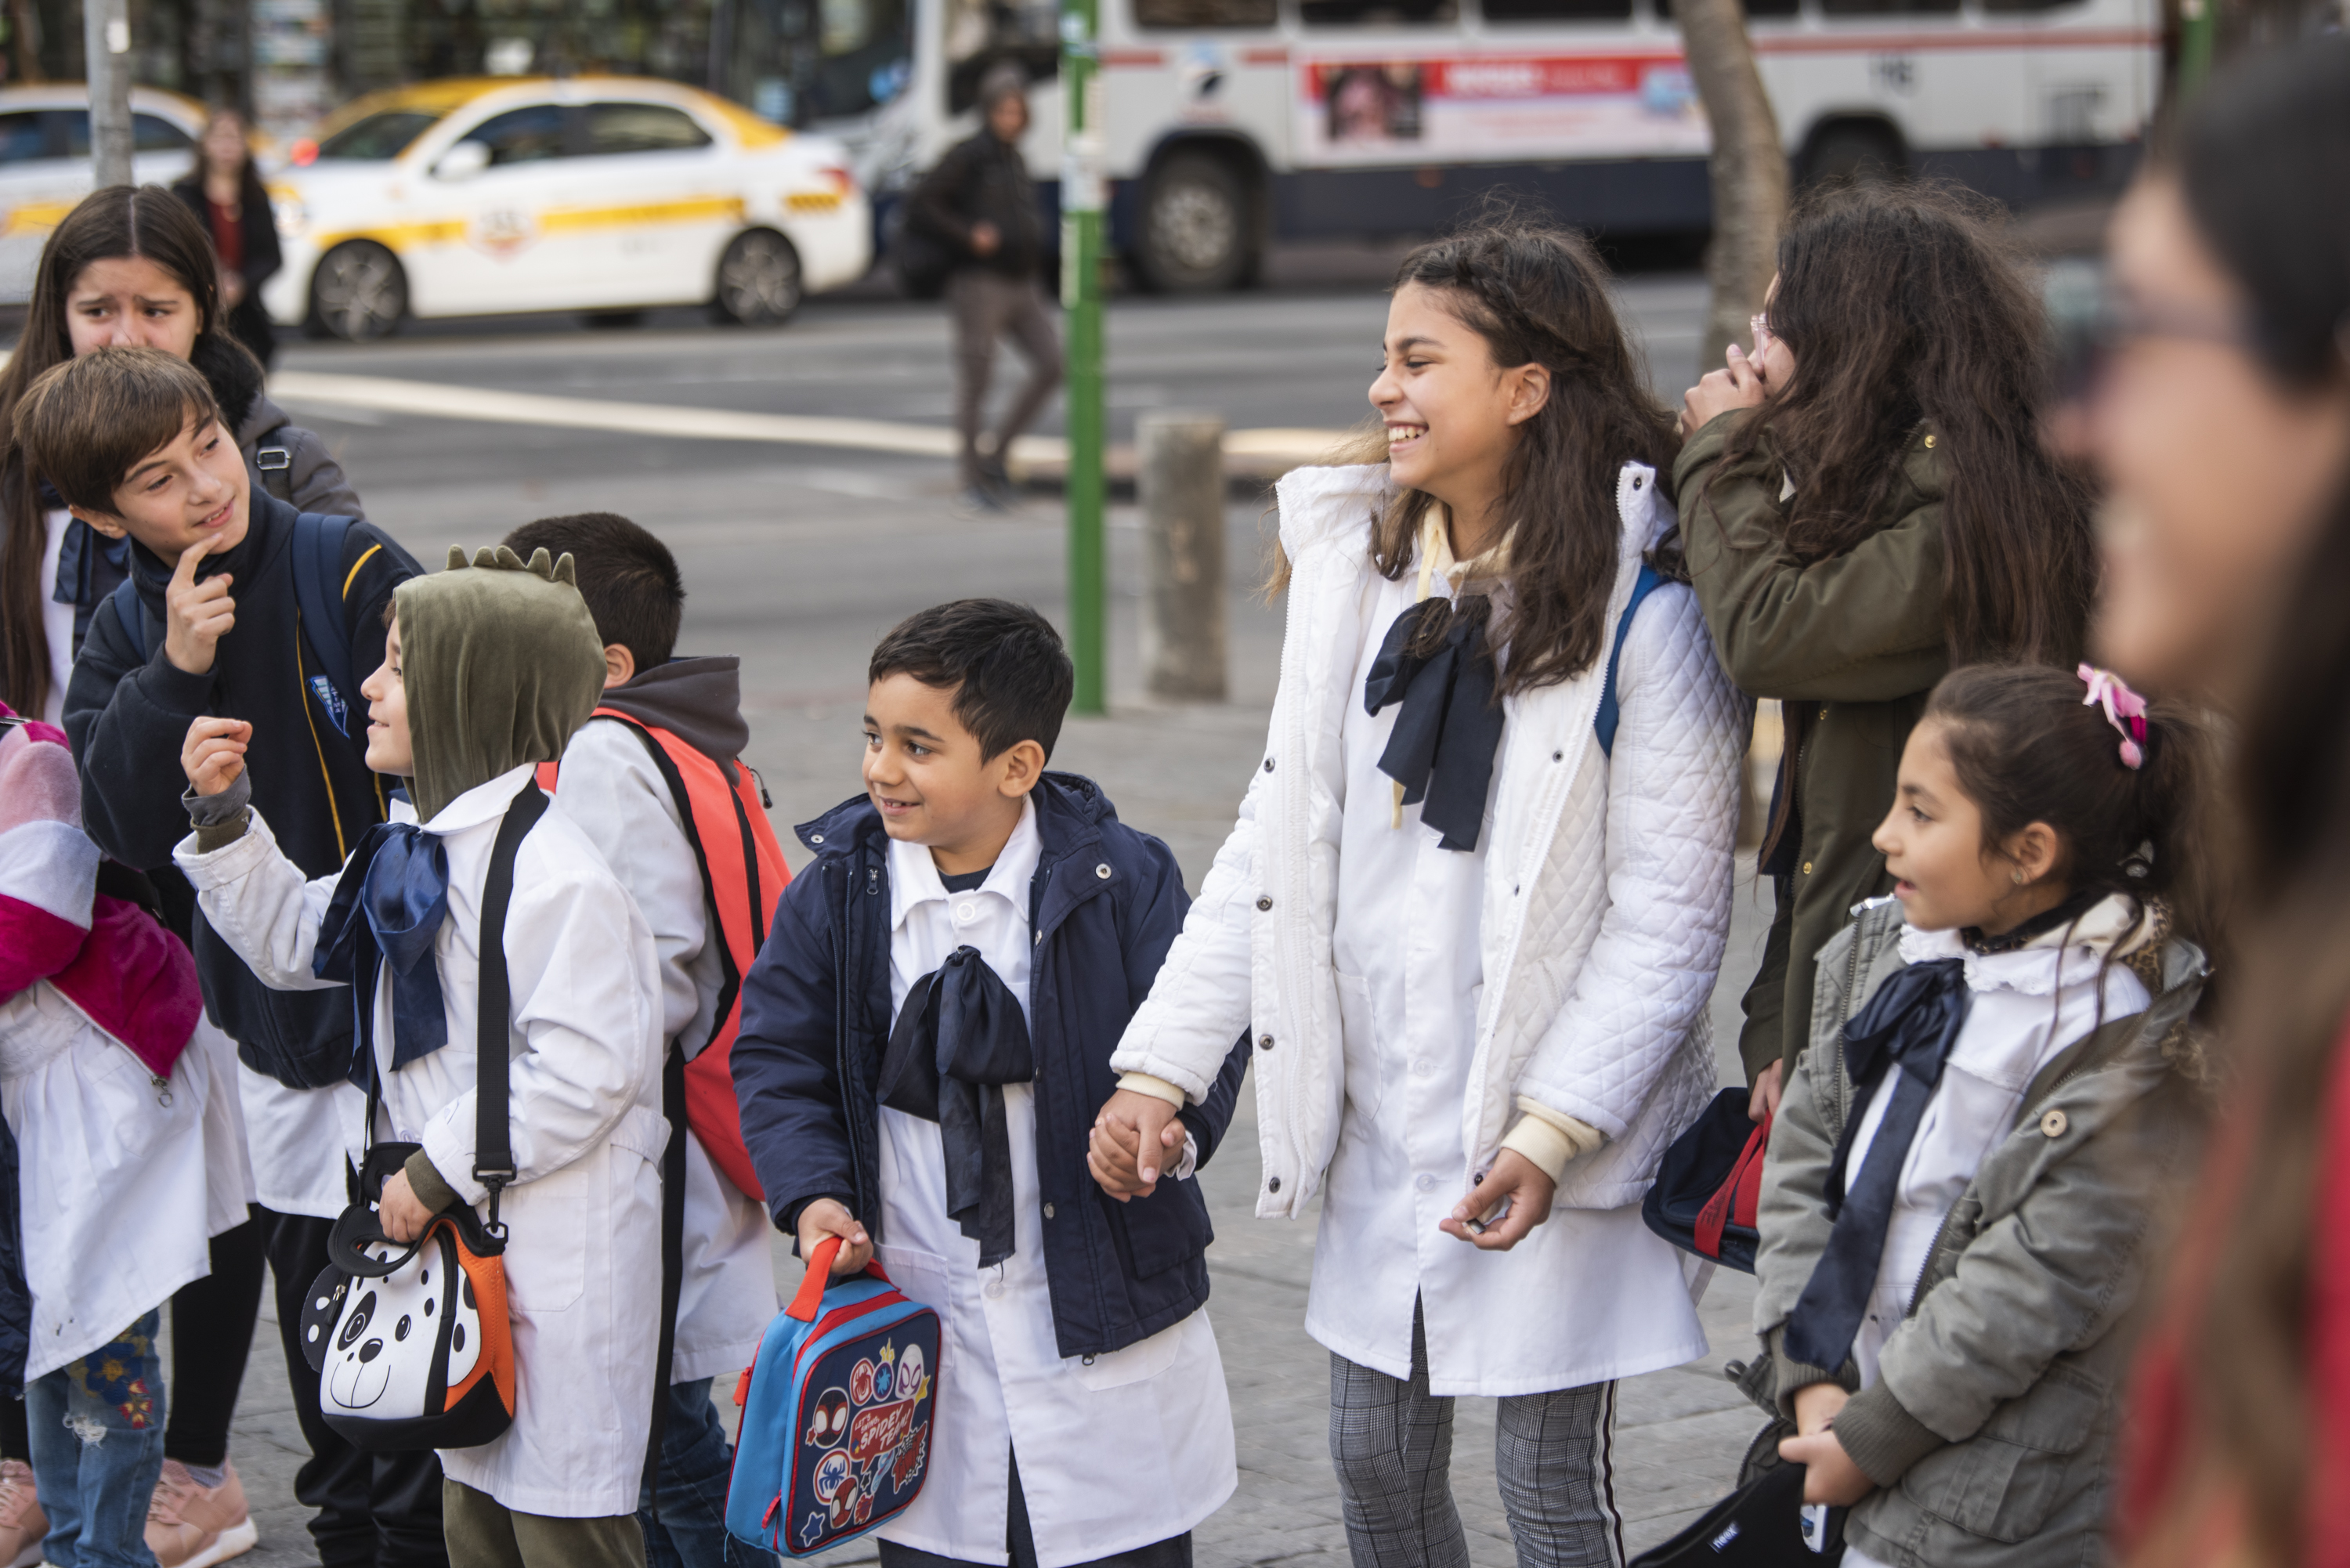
{"x": 1864, "y": 502}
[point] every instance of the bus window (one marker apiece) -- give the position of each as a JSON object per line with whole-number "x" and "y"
{"x": 1764, "y": 8}
{"x": 2013, "y": 5}
{"x": 1205, "y": 13}
{"x": 982, "y": 34}
{"x": 1887, "y": 7}
{"x": 1375, "y": 13}
{"x": 1558, "y": 10}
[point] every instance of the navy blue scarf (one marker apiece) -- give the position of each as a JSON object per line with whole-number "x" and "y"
{"x": 1442, "y": 746}
{"x": 388, "y": 905}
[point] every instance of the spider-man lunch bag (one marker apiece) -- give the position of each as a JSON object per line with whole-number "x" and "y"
{"x": 835, "y": 1414}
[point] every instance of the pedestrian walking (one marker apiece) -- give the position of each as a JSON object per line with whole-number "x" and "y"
{"x": 2215, "y": 404}
{"x": 224, "y": 192}
{"x": 980, "y": 203}
{"x": 655, "y": 779}
{"x": 1866, "y": 501}
{"x": 1969, "y": 1173}
{"x": 1008, "y": 921}
{"x": 488, "y": 670}
{"x": 1473, "y": 905}
{"x": 175, "y": 645}
{"x": 125, "y": 1153}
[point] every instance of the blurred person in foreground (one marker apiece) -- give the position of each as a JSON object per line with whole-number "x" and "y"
{"x": 980, "y": 203}
{"x": 225, "y": 194}
{"x": 2218, "y": 411}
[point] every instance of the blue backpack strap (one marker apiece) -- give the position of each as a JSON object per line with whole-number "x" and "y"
{"x": 133, "y": 618}
{"x": 320, "y": 591}
{"x": 1611, "y": 709}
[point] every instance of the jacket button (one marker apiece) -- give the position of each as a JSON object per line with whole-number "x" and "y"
{"x": 1265, "y": 903}
{"x": 1268, "y": 765}
{"x": 1929, "y": 442}
{"x": 1049, "y": 1211}
{"x": 1635, "y": 482}
{"x": 1264, "y": 1042}
{"x": 1807, "y": 868}
{"x": 1273, "y": 1185}
{"x": 1102, "y": 870}
{"x": 2053, "y": 1125}
{"x": 815, "y": 838}
{"x": 1824, "y": 715}
{"x": 1558, "y": 756}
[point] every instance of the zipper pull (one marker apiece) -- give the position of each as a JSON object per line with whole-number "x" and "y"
{"x": 760, "y": 779}
{"x": 743, "y": 1389}
{"x": 873, "y": 880}
{"x": 163, "y": 1087}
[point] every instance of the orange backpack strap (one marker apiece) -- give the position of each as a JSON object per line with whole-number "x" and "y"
{"x": 743, "y": 874}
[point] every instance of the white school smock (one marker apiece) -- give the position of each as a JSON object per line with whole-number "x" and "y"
{"x": 56, "y": 619}
{"x": 123, "y": 1178}
{"x": 582, "y": 1254}
{"x": 2028, "y": 1005}
{"x": 1590, "y": 1294}
{"x": 611, "y": 787}
{"x": 1117, "y": 1452}
{"x": 298, "y": 1140}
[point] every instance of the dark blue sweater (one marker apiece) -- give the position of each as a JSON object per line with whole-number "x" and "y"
{"x": 817, "y": 1015}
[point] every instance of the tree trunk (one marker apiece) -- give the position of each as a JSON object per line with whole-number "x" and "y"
{"x": 1749, "y": 169}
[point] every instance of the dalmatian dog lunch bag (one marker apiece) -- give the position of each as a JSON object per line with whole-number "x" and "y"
{"x": 836, "y": 1409}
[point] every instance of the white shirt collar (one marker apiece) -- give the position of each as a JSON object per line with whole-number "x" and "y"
{"x": 2066, "y": 954}
{"x": 482, "y": 802}
{"x": 914, "y": 875}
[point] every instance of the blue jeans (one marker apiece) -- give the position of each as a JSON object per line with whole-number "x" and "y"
{"x": 97, "y": 1430}
{"x": 696, "y": 1463}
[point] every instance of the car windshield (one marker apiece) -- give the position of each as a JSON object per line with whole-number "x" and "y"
{"x": 382, "y": 135}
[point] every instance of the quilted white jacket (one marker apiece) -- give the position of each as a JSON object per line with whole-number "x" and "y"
{"x": 1607, "y": 890}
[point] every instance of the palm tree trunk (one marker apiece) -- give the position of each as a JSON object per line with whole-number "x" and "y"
{"x": 1749, "y": 169}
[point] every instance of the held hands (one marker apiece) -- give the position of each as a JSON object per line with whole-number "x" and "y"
{"x": 828, "y": 1216}
{"x": 1136, "y": 1138}
{"x": 1739, "y": 385}
{"x": 196, "y": 616}
{"x": 1518, "y": 1188}
{"x": 1829, "y": 1474}
{"x": 213, "y": 753}
{"x": 1768, "y": 1086}
{"x": 400, "y": 1212}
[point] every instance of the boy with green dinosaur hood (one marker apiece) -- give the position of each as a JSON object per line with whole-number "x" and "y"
{"x": 488, "y": 670}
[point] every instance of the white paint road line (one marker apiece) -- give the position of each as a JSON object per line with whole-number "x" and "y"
{"x": 384, "y": 394}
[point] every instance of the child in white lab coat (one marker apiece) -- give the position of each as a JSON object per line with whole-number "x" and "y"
{"x": 488, "y": 672}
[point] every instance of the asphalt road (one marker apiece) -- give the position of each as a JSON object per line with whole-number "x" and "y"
{"x": 798, "y": 559}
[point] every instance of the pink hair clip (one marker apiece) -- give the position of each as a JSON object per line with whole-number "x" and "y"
{"x": 2124, "y": 710}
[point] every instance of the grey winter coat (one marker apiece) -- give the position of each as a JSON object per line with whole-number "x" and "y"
{"x": 1990, "y": 1430}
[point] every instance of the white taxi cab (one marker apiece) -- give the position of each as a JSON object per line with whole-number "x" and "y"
{"x": 45, "y": 163}
{"x": 605, "y": 195}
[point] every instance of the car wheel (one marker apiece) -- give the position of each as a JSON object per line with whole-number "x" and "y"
{"x": 359, "y": 293}
{"x": 758, "y": 280}
{"x": 1197, "y": 236}
{"x": 1854, "y": 155}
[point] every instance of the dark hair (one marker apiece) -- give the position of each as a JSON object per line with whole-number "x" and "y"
{"x": 628, "y": 578}
{"x": 85, "y": 423}
{"x": 121, "y": 221}
{"x": 1009, "y": 674}
{"x": 2027, "y": 749}
{"x": 2248, "y": 158}
{"x": 1902, "y": 309}
{"x": 1538, "y": 295}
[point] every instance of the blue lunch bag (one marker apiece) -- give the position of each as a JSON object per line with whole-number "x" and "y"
{"x": 837, "y": 1428}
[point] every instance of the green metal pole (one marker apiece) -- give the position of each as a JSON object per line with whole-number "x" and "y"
{"x": 2199, "y": 29}
{"x": 1082, "y": 160}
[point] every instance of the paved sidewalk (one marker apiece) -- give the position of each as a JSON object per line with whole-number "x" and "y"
{"x": 1177, "y": 771}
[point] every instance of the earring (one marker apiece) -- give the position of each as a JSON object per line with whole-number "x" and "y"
{"x": 2019, "y": 878}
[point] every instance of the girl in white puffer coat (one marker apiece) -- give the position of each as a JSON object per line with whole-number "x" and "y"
{"x": 1474, "y": 904}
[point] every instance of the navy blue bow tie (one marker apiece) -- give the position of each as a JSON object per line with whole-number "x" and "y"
{"x": 1909, "y": 1028}
{"x": 388, "y": 905}
{"x": 958, "y": 1039}
{"x": 1441, "y": 748}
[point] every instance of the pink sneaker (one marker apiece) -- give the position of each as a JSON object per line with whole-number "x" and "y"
{"x": 192, "y": 1526}
{"x": 23, "y": 1525}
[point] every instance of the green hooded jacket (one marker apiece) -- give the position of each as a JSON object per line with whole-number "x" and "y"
{"x": 1850, "y": 646}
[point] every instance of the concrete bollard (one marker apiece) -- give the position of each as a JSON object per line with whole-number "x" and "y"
{"x": 1181, "y": 486}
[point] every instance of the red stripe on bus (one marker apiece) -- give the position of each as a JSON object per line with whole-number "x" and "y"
{"x": 1115, "y": 58}
{"x": 1264, "y": 56}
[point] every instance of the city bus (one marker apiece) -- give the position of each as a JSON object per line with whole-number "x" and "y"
{"x": 1235, "y": 123}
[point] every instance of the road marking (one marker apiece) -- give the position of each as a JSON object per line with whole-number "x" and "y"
{"x": 385, "y": 394}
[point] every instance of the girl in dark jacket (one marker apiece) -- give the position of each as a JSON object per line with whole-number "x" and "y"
{"x": 225, "y": 194}
{"x": 1865, "y": 502}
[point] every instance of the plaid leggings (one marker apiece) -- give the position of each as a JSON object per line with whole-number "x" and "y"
{"x": 1392, "y": 1444}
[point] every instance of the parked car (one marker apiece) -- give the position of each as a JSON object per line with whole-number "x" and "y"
{"x": 44, "y": 162}
{"x": 604, "y": 194}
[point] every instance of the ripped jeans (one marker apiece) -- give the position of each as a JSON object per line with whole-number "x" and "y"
{"x": 97, "y": 1430}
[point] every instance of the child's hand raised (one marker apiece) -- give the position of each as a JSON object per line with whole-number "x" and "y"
{"x": 1739, "y": 385}
{"x": 196, "y": 616}
{"x": 1829, "y": 1474}
{"x": 1130, "y": 1125}
{"x": 828, "y": 1216}
{"x": 1515, "y": 1180}
{"x": 213, "y": 753}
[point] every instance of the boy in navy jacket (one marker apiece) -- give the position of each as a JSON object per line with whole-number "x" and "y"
{"x": 926, "y": 1041}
